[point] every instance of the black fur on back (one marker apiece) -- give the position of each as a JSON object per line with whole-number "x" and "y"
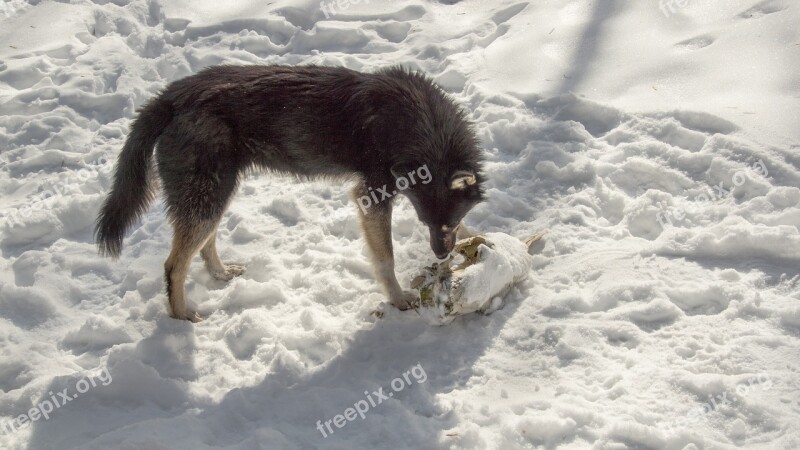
{"x": 307, "y": 121}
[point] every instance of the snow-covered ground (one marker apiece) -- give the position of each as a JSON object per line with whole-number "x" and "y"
{"x": 656, "y": 141}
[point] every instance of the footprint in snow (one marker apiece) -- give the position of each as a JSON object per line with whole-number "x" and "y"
{"x": 764, "y": 8}
{"x": 697, "y": 42}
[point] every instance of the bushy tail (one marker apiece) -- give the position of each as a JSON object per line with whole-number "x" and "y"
{"x": 130, "y": 194}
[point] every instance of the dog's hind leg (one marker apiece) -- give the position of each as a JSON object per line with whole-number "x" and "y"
{"x": 187, "y": 240}
{"x": 376, "y": 222}
{"x": 198, "y": 167}
{"x": 218, "y": 270}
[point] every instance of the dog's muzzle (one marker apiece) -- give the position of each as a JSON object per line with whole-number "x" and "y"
{"x": 442, "y": 241}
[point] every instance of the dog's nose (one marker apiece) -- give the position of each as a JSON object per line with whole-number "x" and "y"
{"x": 441, "y": 243}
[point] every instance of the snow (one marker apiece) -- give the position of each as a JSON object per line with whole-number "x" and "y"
{"x": 657, "y": 142}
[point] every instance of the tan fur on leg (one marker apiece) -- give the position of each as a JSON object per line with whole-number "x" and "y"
{"x": 186, "y": 241}
{"x": 376, "y": 224}
{"x": 218, "y": 270}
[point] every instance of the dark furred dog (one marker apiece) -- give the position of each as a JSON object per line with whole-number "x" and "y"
{"x": 306, "y": 121}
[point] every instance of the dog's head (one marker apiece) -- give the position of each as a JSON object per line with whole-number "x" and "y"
{"x": 442, "y": 201}
{"x": 435, "y": 142}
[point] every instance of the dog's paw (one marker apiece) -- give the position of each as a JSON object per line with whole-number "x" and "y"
{"x": 191, "y": 316}
{"x": 404, "y": 300}
{"x": 231, "y": 271}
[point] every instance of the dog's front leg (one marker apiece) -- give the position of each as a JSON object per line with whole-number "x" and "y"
{"x": 376, "y": 223}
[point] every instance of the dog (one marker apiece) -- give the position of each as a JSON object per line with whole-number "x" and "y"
{"x": 374, "y": 129}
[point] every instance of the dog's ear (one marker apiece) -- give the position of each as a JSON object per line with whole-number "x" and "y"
{"x": 462, "y": 179}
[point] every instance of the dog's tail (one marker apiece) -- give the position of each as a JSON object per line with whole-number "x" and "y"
{"x": 130, "y": 193}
